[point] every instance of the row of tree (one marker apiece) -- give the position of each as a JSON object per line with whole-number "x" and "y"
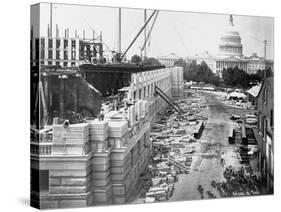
{"x": 236, "y": 77}
{"x": 233, "y": 77}
{"x": 198, "y": 72}
{"x": 146, "y": 61}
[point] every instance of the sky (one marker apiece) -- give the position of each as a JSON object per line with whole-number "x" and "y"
{"x": 181, "y": 33}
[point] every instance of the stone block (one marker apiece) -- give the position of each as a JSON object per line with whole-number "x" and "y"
{"x": 74, "y": 181}
{"x": 75, "y": 135}
{"x": 118, "y": 155}
{"x": 69, "y": 173}
{"x": 100, "y": 168}
{"x": 102, "y": 196}
{"x": 117, "y": 177}
{"x": 69, "y": 149}
{"x": 68, "y": 189}
{"x": 99, "y": 147}
{"x": 126, "y": 163}
{"x": 118, "y": 142}
{"x": 58, "y": 149}
{"x": 47, "y": 204}
{"x": 101, "y": 182}
{"x": 100, "y": 159}
{"x": 64, "y": 164}
{"x": 119, "y": 170}
{"x": 75, "y": 129}
{"x": 73, "y": 203}
{"x": 100, "y": 175}
{"x": 98, "y": 137}
{"x": 118, "y": 199}
{"x": 117, "y": 128}
{"x": 98, "y": 125}
{"x": 55, "y": 181}
{"x": 118, "y": 190}
{"x": 70, "y": 141}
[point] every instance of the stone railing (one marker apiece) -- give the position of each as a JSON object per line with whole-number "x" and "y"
{"x": 43, "y": 145}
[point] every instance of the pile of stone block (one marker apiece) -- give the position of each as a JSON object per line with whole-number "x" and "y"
{"x": 69, "y": 168}
{"x": 131, "y": 116}
{"x": 71, "y": 140}
{"x": 120, "y": 175}
{"x": 101, "y": 177}
{"x": 118, "y": 133}
{"x": 98, "y": 135}
{"x": 100, "y": 162}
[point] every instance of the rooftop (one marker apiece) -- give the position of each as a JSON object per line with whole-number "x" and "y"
{"x": 254, "y": 91}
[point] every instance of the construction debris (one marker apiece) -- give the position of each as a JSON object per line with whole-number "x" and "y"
{"x": 173, "y": 138}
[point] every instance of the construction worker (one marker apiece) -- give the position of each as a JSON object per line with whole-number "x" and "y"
{"x": 101, "y": 115}
{"x": 222, "y": 159}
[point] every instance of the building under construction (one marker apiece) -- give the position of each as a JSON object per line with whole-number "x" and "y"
{"x": 96, "y": 161}
{"x": 90, "y": 134}
{"x": 65, "y": 51}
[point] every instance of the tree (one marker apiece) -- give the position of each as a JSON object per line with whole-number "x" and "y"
{"x": 268, "y": 72}
{"x": 197, "y": 72}
{"x": 151, "y": 61}
{"x": 236, "y": 77}
{"x": 181, "y": 62}
{"x": 136, "y": 59}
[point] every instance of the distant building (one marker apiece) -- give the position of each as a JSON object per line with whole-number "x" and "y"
{"x": 265, "y": 134}
{"x": 256, "y": 63}
{"x": 205, "y": 57}
{"x": 64, "y": 51}
{"x": 168, "y": 60}
{"x": 230, "y": 54}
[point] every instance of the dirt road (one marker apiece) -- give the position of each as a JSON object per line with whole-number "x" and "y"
{"x": 206, "y": 164}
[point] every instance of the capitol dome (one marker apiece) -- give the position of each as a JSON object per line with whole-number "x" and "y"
{"x": 230, "y": 42}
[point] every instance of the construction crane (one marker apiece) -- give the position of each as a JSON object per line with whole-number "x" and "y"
{"x": 135, "y": 38}
{"x": 149, "y": 33}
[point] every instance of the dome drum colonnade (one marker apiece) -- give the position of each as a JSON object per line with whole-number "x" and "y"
{"x": 231, "y": 42}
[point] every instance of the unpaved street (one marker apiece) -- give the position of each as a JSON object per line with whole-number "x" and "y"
{"x": 206, "y": 164}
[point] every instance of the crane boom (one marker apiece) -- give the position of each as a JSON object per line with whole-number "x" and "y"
{"x": 137, "y": 35}
{"x": 149, "y": 33}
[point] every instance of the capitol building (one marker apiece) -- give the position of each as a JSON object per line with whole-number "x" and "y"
{"x": 230, "y": 54}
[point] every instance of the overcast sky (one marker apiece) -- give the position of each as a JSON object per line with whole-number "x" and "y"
{"x": 182, "y": 33}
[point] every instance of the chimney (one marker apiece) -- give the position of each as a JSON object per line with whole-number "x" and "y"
{"x": 75, "y": 33}
{"x": 83, "y": 34}
{"x": 65, "y": 33}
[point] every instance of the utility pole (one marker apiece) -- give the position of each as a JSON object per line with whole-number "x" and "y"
{"x": 144, "y": 34}
{"x": 265, "y": 43}
{"x": 119, "y": 32}
{"x": 51, "y": 19}
{"x": 264, "y": 74}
